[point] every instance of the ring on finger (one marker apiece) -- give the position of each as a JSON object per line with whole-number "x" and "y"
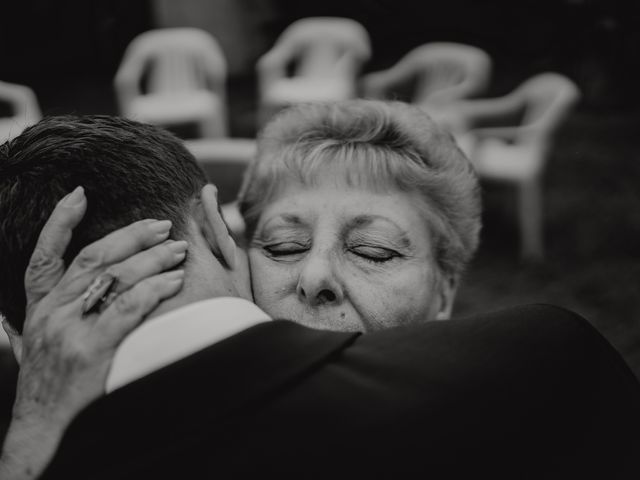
{"x": 99, "y": 292}
{"x": 107, "y": 299}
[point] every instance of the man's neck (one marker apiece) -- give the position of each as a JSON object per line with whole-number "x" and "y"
{"x": 204, "y": 278}
{"x": 193, "y": 290}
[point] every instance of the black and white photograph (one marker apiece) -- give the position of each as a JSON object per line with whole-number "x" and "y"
{"x": 366, "y": 239}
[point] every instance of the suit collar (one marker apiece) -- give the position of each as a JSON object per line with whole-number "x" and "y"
{"x": 177, "y": 334}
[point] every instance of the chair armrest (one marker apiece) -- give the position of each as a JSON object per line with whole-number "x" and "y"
{"x": 22, "y": 100}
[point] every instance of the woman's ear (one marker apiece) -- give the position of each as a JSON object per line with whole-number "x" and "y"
{"x": 448, "y": 287}
{"x": 207, "y": 214}
{"x": 15, "y": 340}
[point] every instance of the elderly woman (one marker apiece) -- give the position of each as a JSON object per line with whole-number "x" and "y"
{"x": 359, "y": 215}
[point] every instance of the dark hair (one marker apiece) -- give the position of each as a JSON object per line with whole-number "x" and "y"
{"x": 129, "y": 170}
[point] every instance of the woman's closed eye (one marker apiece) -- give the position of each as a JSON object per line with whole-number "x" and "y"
{"x": 374, "y": 254}
{"x": 285, "y": 249}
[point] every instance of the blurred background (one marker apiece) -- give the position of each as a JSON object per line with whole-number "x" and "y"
{"x": 563, "y": 230}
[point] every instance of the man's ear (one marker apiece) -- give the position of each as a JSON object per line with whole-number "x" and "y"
{"x": 448, "y": 287}
{"x": 15, "y": 339}
{"x": 207, "y": 214}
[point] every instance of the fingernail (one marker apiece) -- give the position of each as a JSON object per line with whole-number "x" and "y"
{"x": 74, "y": 198}
{"x": 214, "y": 188}
{"x": 161, "y": 227}
{"x": 178, "y": 247}
{"x": 175, "y": 276}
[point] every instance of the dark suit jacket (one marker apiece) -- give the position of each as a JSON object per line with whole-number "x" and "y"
{"x": 530, "y": 392}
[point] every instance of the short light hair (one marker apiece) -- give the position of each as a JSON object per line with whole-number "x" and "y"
{"x": 380, "y": 145}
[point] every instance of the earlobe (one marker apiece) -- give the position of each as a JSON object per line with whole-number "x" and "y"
{"x": 448, "y": 290}
{"x": 15, "y": 340}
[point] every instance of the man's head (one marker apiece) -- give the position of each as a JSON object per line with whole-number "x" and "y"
{"x": 130, "y": 171}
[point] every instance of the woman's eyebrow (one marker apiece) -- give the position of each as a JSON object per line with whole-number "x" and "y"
{"x": 285, "y": 219}
{"x": 364, "y": 221}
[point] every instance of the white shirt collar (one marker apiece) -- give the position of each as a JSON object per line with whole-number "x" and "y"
{"x": 178, "y": 334}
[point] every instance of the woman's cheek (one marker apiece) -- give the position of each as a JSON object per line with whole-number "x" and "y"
{"x": 396, "y": 299}
{"x": 371, "y": 295}
{"x": 272, "y": 283}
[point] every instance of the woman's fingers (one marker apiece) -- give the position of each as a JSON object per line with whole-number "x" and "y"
{"x": 147, "y": 263}
{"x": 122, "y": 276}
{"x": 217, "y": 229}
{"x": 131, "y": 307}
{"x": 65, "y": 362}
{"x": 115, "y": 247}
{"x": 46, "y": 266}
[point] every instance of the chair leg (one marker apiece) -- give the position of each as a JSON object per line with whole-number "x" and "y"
{"x": 530, "y": 218}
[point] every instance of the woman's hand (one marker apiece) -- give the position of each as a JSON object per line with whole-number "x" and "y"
{"x": 65, "y": 354}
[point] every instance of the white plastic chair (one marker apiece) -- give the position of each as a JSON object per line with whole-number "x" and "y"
{"x": 25, "y": 108}
{"x": 518, "y": 153}
{"x": 224, "y": 161}
{"x": 444, "y": 73}
{"x": 326, "y": 53}
{"x": 185, "y": 71}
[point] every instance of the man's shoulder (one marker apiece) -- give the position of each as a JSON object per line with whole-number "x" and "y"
{"x": 541, "y": 337}
{"x": 516, "y": 330}
{"x": 526, "y": 381}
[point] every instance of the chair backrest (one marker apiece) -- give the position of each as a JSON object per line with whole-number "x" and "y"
{"x": 320, "y": 45}
{"x": 178, "y": 60}
{"x": 548, "y": 97}
{"x": 446, "y": 65}
{"x": 440, "y": 73}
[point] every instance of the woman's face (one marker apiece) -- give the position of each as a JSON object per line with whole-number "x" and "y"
{"x": 344, "y": 258}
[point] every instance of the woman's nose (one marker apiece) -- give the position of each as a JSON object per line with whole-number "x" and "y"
{"x": 318, "y": 283}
